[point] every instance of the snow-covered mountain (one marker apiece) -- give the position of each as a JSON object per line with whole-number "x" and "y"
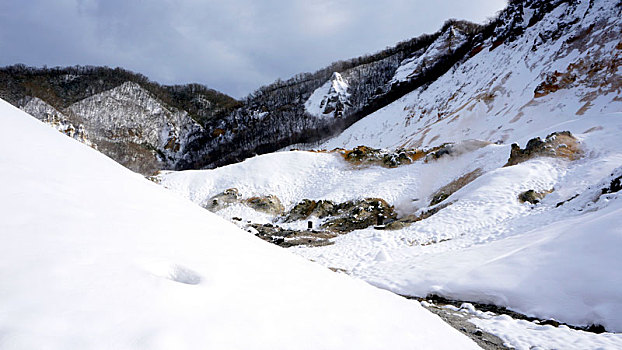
{"x": 556, "y": 58}
{"x": 53, "y": 117}
{"x": 451, "y": 39}
{"x": 140, "y": 124}
{"x": 561, "y": 65}
{"x": 133, "y": 127}
{"x": 95, "y": 256}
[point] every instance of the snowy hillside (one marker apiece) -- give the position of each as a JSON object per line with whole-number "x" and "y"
{"x": 95, "y": 256}
{"x": 143, "y": 125}
{"x": 427, "y": 197}
{"x": 563, "y": 67}
{"x": 127, "y": 123}
{"x": 450, "y": 40}
{"x": 130, "y": 115}
{"x": 53, "y": 117}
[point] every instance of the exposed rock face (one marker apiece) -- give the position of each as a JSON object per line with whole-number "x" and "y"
{"x": 532, "y": 196}
{"x": 363, "y": 155}
{"x": 59, "y": 121}
{"x": 308, "y": 207}
{"x": 420, "y": 215}
{"x": 614, "y": 186}
{"x": 139, "y": 123}
{"x": 221, "y": 200}
{"x": 441, "y": 151}
{"x": 451, "y": 39}
{"x": 268, "y": 204}
{"x": 133, "y": 127}
{"x": 127, "y": 123}
{"x": 558, "y": 144}
{"x": 360, "y": 214}
{"x": 331, "y": 99}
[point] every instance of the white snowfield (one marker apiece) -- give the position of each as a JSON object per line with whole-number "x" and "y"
{"x": 95, "y": 256}
{"x": 544, "y": 261}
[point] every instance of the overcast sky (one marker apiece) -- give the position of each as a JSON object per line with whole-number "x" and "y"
{"x": 233, "y": 46}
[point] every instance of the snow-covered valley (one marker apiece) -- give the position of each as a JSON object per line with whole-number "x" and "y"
{"x": 95, "y": 256}
{"x": 556, "y": 259}
{"x": 460, "y": 226}
{"x": 490, "y": 196}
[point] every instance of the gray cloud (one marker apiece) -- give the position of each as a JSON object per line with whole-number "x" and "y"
{"x": 233, "y": 46}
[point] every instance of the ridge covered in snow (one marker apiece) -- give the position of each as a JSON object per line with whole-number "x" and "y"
{"x": 450, "y": 40}
{"x": 330, "y": 99}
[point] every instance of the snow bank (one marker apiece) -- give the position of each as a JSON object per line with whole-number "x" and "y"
{"x": 527, "y": 335}
{"x": 95, "y": 256}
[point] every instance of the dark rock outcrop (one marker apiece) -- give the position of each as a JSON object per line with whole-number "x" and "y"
{"x": 531, "y": 196}
{"x": 221, "y": 200}
{"x": 360, "y": 214}
{"x": 269, "y": 204}
{"x": 558, "y": 144}
{"x": 614, "y": 186}
{"x": 308, "y": 207}
{"x": 444, "y": 192}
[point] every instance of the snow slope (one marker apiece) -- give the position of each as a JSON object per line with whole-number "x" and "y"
{"x": 564, "y": 67}
{"x": 448, "y": 41}
{"x": 95, "y": 256}
{"x": 51, "y": 116}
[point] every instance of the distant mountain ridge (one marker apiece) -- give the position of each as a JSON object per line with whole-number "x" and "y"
{"x": 198, "y": 127}
{"x": 140, "y": 124}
